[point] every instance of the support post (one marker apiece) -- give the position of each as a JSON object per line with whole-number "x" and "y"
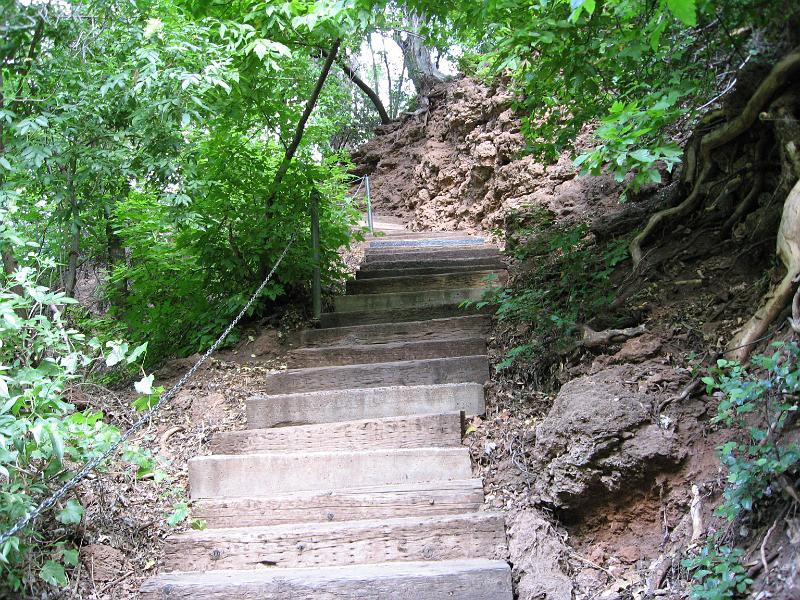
{"x": 369, "y": 205}
{"x": 316, "y": 281}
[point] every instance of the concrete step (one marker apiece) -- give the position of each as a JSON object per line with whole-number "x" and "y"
{"x": 433, "y": 254}
{"x": 246, "y": 475}
{"x": 330, "y": 406}
{"x": 438, "y": 281}
{"x": 400, "y": 315}
{"x": 419, "y": 235}
{"x": 476, "y": 579}
{"x": 389, "y": 332}
{"x": 377, "y": 502}
{"x": 411, "y": 431}
{"x": 444, "y": 268}
{"x": 460, "y": 369}
{"x": 440, "y": 537}
{"x": 391, "y": 300}
{"x": 439, "y": 347}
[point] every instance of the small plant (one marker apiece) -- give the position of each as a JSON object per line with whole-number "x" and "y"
{"x": 758, "y": 404}
{"x": 567, "y": 282}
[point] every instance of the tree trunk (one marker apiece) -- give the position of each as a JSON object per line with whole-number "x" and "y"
{"x": 368, "y": 91}
{"x": 71, "y": 274}
{"x": 421, "y": 67}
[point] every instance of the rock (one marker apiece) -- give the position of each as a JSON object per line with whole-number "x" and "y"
{"x": 597, "y": 441}
{"x": 538, "y": 554}
{"x": 103, "y": 562}
{"x": 637, "y": 349}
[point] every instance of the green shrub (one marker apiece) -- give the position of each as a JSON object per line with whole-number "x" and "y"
{"x": 756, "y": 404}
{"x": 565, "y": 281}
{"x": 43, "y": 438}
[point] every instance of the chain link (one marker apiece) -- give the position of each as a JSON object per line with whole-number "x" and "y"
{"x": 90, "y": 466}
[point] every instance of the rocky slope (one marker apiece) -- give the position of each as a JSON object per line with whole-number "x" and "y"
{"x": 459, "y": 166}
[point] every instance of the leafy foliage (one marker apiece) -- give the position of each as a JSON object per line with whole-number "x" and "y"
{"x": 43, "y": 438}
{"x": 757, "y": 404}
{"x": 566, "y": 281}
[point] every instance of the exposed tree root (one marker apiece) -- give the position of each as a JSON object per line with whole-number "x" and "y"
{"x": 779, "y": 297}
{"x": 600, "y": 339}
{"x": 764, "y": 94}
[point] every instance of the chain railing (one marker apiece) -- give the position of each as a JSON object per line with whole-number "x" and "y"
{"x": 92, "y": 464}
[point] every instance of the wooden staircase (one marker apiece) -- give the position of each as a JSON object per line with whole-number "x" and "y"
{"x": 352, "y": 480}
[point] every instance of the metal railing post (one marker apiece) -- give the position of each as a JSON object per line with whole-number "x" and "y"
{"x": 316, "y": 281}
{"x": 369, "y": 205}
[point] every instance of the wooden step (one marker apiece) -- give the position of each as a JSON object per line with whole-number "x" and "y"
{"x": 436, "y": 281}
{"x": 378, "y": 246}
{"x": 247, "y": 475}
{"x": 372, "y": 258}
{"x": 489, "y": 264}
{"x": 400, "y": 315}
{"x": 439, "y": 347}
{"x": 330, "y": 406}
{"x": 467, "y": 326}
{"x": 459, "y": 369}
{"x": 413, "y": 431}
{"x": 376, "y": 502}
{"x": 440, "y": 537}
{"x": 364, "y": 302}
{"x": 476, "y": 579}
{"x": 422, "y": 235}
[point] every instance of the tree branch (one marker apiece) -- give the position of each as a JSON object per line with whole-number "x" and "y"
{"x": 370, "y": 93}
{"x": 301, "y": 125}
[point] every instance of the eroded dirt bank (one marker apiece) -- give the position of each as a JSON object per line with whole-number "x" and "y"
{"x": 602, "y": 452}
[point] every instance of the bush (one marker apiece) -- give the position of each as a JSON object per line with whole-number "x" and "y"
{"x": 43, "y": 438}
{"x": 757, "y": 404}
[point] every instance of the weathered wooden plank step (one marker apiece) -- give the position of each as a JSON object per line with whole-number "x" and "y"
{"x": 330, "y": 406}
{"x": 439, "y": 537}
{"x": 245, "y": 475}
{"x": 376, "y": 502}
{"x": 458, "y": 369}
{"x": 377, "y": 246}
{"x": 412, "y": 431}
{"x": 372, "y": 257}
{"x": 406, "y": 264}
{"x": 476, "y": 579}
{"x": 439, "y": 347}
{"x": 467, "y": 326}
{"x": 434, "y": 281}
{"x": 391, "y": 300}
{"x": 408, "y": 234}
{"x": 399, "y": 315}
{"x": 444, "y": 268}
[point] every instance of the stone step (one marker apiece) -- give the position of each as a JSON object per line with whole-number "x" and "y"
{"x": 400, "y": 315}
{"x": 387, "y": 332}
{"x": 238, "y": 476}
{"x": 439, "y": 347}
{"x": 391, "y": 300}
{"x": 476, "y": 579}
{"x": 460, "y": 369}
{"x": 444, "y": 268}
{"x": 378, "y": 245}
{"x": 434, "y": 254}
{"x": 439, "y": 537}
{"x": 378, "y": 285}
{"x": 376, "y": 502}
{"x": 330, "y": 406}
{"x": 411, "y": 431}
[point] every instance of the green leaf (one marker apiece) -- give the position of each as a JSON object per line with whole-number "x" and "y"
{"x": 71, "y": 514}
{"x": 57, "y": 442}
{"x": 53, "y": 573}
{"x": 137, "y": 352}
{"x": 684, "y": 10}
{"x": 180, "y": 512}
{"x": 70, "y": 557}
